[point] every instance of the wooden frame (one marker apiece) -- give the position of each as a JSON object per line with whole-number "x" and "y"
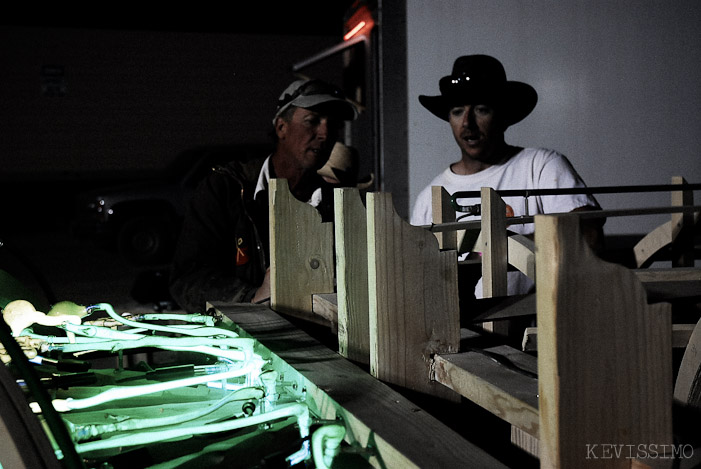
{"x": 389, "y": 429}
{"x": 301, "y": 255}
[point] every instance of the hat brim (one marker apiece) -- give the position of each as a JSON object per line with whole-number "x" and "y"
{"x": 517, "y": 101}
{"x": 342, "y": 108}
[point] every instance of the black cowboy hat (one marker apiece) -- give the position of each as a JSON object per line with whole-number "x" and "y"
{"x": 481, "y": 79}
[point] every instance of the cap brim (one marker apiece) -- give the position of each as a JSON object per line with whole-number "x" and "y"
{"x": 343, "y": 109}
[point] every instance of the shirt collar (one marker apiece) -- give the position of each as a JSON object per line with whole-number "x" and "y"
{"x": 263, "y": 183}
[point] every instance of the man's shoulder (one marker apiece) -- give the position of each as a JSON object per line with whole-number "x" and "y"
{"x": 244, "y": 171}
{"x": 535, "y": 156}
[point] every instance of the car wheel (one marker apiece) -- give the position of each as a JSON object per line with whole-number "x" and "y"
{"x": 147, "y": 240}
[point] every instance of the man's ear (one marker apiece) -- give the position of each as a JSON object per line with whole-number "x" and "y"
{"x": 280, "y": 126}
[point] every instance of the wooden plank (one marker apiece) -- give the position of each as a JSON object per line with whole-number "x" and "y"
{"x": 325, "y": 305}
{"x": 494, "y": 244}
{"x": 494, "y": 249}
{"x": 687, "y": 389}
{"x": 521, "y": 254}
{"x": 670, "y": 283}
{"x": 398, "y": 433}
{"x": 604, "y": 354}
{"x": 481, "y": 377}
{"x": 443, "y": 212}
{"x": 668, "y": 232}
{"x": 681, "y": 334}
{"x": 301, "y": 254}
{"x": 413, "y": 298}
{"x": 683, "y": 244}
{"x": 507, "y": 307}
{"x": 352, "y": 275}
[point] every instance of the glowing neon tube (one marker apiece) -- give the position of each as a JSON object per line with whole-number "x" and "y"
{"x": 300, "y": 411}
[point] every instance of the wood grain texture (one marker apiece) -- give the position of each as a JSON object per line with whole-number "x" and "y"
{"x": 687, "y": 389}
{"x": 352, "y": 275}
{"x": 401, "y": 434}
{"x": 506, "y": 393}
{"x": 443, "y": 212}
{"x": 604, "y": 354}
{"x": 413, "y": 299}
{"x": 521, "y": 254}
{"x": 301, "y": 254}
{"x": 669, "y": 233}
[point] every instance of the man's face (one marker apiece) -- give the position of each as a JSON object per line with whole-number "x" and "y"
{"x": 308, "y": 137}
{"x": 477, "y": 129}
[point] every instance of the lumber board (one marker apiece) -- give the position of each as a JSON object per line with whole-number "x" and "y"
{"x": 681, "y": 334}
{"x": 352, "y": 275}
{"x": 413, "y": 299}
{"x": 494, "y": 244}
{"x": 604, "y": 354}
{"x": 687, "y": 388}
{"x": 521, "y": 254}
{"x": 325, "y": 305}
{"x": 400, "y": 434}
{"x": 443, "y": 212}
{"x": 301, "y": 254}
{"x": 482, "y": 377}
{"x": 494, "y": 249}
{"x": 506, "y": 307}
{"x": 667, "y": 233}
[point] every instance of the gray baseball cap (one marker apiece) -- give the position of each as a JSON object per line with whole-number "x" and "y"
{"x": 310, "y": 93}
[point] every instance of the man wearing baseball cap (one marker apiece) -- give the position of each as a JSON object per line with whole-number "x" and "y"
{"x": 479, "y": 104}
{"x": 222, "y": 252}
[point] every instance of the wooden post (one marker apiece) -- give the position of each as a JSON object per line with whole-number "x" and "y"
{"x": 494, "y": 248}
{"x": 413, "y": 299}
{"x": 678, "y": 232}
{"x": 301, "y": 254}
{"x": 683, "y": 223}
{"x": 443, "y": 213}
{"x": 352, "y": 275}
{"x": 604, "y": 355}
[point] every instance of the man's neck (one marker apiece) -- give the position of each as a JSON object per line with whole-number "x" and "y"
{"x": 468, "y": 165}
{"x": 302, "y": 182}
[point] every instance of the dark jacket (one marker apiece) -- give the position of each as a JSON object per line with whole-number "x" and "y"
{"x": 223, "y": 245}
{"x": 223, "y": 249}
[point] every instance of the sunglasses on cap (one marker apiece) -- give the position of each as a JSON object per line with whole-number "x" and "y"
{"x": 310, "y": 88}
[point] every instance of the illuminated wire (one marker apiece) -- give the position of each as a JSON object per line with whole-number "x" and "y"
{"x": 124, "y": 392}
{"x": 300, "y": 411}
{"x": 85, "y": 432}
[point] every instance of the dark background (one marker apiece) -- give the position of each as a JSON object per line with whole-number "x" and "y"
{"x": 93, "y": 100}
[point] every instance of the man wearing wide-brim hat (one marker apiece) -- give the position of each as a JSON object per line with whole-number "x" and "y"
{"x": 479, "y": 103}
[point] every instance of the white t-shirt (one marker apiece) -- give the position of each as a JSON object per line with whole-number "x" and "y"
{"x": 531, "y": 168}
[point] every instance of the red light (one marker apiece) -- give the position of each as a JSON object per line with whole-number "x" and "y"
{"x": 354, "y": 31}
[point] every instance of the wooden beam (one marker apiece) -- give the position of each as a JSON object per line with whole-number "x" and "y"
{"x": 480, "y": 377}
{"x": 413, "y": 298}
{"x": 393, "y": 431}
{"x": 604, "y": 354}
{"x": 683, "y": 244}
{"x": 687, "y": 389}
{"x": 494, "y": 249}
{"x": 681, "y": 334}
{"x": 443, "y": 212}
{"x": 521, "y": 254}
{"x": 352, "y": 275}
{"x": 325, "y": 305}
{"x": 301, "y": 254}
{"x": 667, "y": 233}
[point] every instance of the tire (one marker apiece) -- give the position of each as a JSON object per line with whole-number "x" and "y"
{"x": 147, "y": 240}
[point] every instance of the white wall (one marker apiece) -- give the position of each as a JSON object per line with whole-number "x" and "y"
{"x": 618, "y": 86}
